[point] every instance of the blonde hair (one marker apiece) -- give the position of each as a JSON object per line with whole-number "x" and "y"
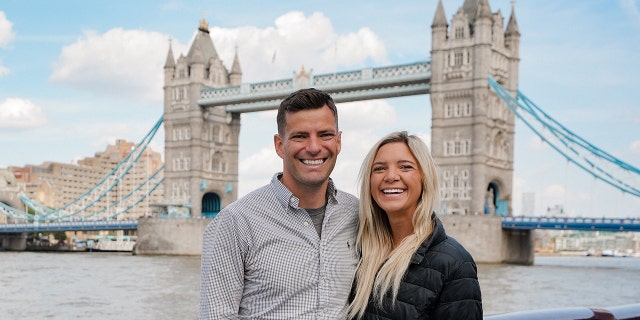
{"x": 381, "y": 270}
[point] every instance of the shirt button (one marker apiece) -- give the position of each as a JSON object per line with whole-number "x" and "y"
{"x": 306, "y": 223}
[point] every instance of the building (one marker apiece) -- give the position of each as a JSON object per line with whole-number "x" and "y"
{"x": 201, "y": 144}
{"x": 472, "y": 133}
{"x": 55, "y": 184}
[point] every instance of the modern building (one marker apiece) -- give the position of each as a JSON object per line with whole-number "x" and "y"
{"x": 56, "y": 184}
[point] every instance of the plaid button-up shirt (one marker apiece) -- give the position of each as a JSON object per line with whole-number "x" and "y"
{"x": 263, "y": 259}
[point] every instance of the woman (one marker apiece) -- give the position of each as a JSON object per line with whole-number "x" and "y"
{"x": 410, "y": 268}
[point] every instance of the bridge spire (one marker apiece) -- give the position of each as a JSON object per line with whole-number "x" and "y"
{"x": 440, "y": 19}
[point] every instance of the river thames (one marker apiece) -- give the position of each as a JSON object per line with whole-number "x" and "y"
{"x": 116, "y": 285}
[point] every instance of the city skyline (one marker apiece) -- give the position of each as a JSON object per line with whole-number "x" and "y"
{"x": 71, "y": 84}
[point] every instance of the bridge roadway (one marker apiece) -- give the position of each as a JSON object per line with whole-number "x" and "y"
{"x": 558, "y": 223}
{"x": 508, "y": 223}
{"x": 70, "y": 226}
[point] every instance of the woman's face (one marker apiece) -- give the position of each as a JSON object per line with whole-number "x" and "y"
{"x": 396, "y": 180}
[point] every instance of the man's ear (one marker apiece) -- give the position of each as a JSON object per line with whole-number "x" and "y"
{"x": 339, "y": 139}
{"x": 279, "y": 145}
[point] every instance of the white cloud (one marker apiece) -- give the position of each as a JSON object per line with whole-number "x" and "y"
{"x": 635, "y": 147}
{"x": 369, "y": 114}
{"x": 128, "y": 63}
{"x": 20, "y": 113}
{"x": 554, "y": 191}
{"x": 125, "y": 63}
{"x": 296, "y": 41}
{"x": 257, "y": 169}
{"x": 631, "y": 8}
{"x": 3, "y": 70}
{"x": 536, "y": 143}
{"x": 6, "y": 32}
{"x": 6, "y": 36}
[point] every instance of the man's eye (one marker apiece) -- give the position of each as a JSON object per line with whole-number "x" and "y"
{"x": 327, "y": 135}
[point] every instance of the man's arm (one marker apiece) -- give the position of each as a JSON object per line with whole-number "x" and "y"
{"x": 222, "y": 269}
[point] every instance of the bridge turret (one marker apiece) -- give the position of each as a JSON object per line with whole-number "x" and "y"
{"x": 169, "y": 66}
{"x": 512, "y": 42}
{"x": 472, "y": 133}
{"x": 201, "y": 143}
{"x": 439, "y": 27}
{"x": 235, "y": 76}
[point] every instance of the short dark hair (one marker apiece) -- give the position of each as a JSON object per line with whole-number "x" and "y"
{"x": 304, "y": 99}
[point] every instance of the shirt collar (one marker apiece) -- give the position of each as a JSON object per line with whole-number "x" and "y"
{"x": 286, "y": 197}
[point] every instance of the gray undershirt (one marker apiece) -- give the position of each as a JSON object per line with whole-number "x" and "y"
{"x": 317, "y": 216}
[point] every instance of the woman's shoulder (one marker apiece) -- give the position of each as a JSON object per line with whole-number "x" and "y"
{"x": 446, "y": 256}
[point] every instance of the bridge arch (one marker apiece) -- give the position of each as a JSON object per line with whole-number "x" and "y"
{"x": 496, "y": 200}
{"x": 211, "y": 205}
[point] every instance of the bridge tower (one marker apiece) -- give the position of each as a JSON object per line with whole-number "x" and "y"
{"x": 472, "y": 129}
{"x": 201, "y": 144}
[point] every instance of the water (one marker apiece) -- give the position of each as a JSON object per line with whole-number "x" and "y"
{"x": 116, "y": 285}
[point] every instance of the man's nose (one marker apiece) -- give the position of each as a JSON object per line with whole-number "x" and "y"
{"x": 314, "y": 145}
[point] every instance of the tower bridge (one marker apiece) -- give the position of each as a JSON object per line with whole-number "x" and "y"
{"x": 471, "y": 78}
{"x": 472, "y": 129}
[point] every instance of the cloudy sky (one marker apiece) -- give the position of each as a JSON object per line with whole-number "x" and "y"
{"x": 76, "y": 75}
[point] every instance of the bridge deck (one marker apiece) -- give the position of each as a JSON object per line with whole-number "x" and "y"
{"x": 365, "y": 84}
{"x": 508, "y": 223}
{"x": 70, "y": 226}
{"x": 556, "y": 223}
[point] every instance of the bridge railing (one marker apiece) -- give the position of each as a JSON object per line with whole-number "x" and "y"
{"x": 624, "y": 312}
{"x": 573, "y": 223}
{"x": 265, "y": 95}
{"x": 69, "y": 226}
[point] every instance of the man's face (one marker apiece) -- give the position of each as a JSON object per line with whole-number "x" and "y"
{"x": 309, "y": 148}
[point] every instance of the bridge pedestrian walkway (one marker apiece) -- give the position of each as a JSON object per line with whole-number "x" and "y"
{"x": 511, "y": 222}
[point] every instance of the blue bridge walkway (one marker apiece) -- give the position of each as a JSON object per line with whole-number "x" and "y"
{"x": 515, "y": 223}
{"x": 592, "y": 224}
{"x": 70, "y": 226}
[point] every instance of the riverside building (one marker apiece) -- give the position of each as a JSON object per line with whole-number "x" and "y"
{"x": 55, "y": 184}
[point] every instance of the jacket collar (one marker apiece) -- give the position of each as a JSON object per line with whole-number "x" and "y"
{"x": 438, "y": 235}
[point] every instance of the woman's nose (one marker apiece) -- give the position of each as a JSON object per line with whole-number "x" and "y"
{"x": 391, "y": 176}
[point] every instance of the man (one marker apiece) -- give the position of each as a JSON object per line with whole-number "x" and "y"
{"x": 286, "y": 250}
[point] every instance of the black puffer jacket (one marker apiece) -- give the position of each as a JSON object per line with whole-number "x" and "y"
{"x": 440, "y": 283}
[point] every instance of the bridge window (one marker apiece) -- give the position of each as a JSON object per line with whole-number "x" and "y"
{"x": 215, "y": 165}
{"x": 216, "y": 134}
{"x": 181, "y": 133}
{"x": 448, "y": 111}
{"x": 458, "y": 58}
{"x": 458, "y": 112}
{"x": 459, "y": 33}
